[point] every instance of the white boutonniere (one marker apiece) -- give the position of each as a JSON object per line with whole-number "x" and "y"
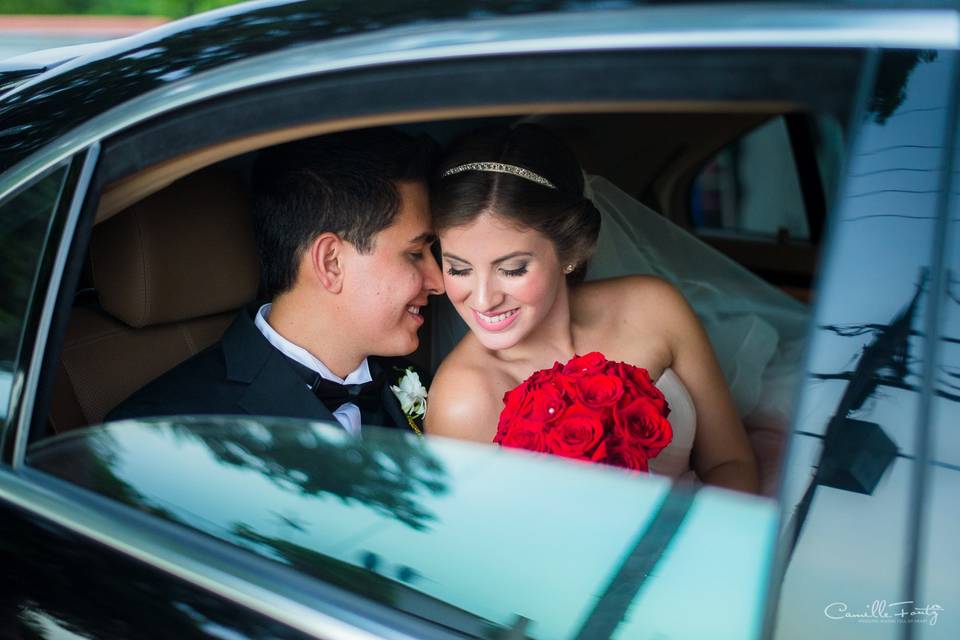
{"x": 412, "y": 396}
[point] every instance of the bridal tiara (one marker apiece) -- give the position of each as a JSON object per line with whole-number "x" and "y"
{"x": 499, "y": 167}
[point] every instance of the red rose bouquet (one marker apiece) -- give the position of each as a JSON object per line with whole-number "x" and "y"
{"x": 589, "y": 409}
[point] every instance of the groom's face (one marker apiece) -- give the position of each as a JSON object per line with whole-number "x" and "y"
{"x": 388, "y": 287}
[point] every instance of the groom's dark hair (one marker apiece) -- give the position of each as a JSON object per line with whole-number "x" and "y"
{"x": 343, "y": 183}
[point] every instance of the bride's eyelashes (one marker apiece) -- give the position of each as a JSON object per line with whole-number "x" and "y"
{"x": 511, "y": 273}
{"x": 515, "y": 273}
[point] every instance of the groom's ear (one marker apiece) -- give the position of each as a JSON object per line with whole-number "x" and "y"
{"x": 326, "y": 261}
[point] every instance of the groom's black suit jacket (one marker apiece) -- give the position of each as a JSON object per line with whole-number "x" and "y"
{"x": 244, "y": 374}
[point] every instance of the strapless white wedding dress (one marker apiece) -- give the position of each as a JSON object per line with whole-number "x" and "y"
{"x": 674, "y": 460}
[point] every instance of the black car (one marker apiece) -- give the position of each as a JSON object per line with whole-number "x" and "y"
{"x": 807, "y": 149}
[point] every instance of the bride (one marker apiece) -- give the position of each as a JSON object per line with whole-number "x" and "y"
{"x": 516, "y": 232}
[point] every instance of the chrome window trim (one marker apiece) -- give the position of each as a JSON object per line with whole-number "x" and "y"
{"x": 647, "y": 28}
{"x": 29, "y": 390}
{"x": 183, "y": 557}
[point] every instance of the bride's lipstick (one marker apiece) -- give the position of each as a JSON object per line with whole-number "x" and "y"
{"x": 498, "y": 321}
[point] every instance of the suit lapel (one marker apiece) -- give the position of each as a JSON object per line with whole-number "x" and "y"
{"x": 273, "y": 387}
{"x": 380, "y": 368}
{"x": 391, "y": 407}
{"x": 277, "y": 390}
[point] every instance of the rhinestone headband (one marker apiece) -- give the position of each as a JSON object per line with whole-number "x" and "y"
{"x": 499, "y": 167}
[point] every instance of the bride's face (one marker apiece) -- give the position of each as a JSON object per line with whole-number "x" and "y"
{"x": 503, "y": 280}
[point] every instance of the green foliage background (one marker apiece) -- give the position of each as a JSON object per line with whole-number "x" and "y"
{"x": 168, "y": 8}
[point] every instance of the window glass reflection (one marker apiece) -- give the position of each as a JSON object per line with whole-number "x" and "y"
{"x": 848, "y": 482}
{"x": 476, "y": 538}
{"x": 24, "y": 220}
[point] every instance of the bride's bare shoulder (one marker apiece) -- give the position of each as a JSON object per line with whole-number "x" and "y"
{"x": 628, "y": 294}
{"x": 462, "y": 401}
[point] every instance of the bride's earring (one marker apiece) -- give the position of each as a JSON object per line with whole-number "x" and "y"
{"x": 569, "y": 268}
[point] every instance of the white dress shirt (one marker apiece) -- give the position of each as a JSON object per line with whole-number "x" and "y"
{"x": 347, "y": 414}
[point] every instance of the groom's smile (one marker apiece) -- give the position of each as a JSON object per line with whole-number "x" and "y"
{"x": 394, "y": 280}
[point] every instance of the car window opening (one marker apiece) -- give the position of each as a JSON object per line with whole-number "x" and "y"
{"x": 120, "y": 337}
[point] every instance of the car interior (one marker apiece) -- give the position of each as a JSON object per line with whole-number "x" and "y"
{"x": 171, "y": 255}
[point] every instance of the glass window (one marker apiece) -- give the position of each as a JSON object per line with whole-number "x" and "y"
{"x": 24, "y": 223}
{"x": 751, "y": 188}
{"x": 468, "y": 536}
{"x": 849, "y": 490}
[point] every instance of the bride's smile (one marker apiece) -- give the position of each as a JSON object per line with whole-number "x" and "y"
{"x": 504, "y": 281}
{"x": 496, "y": 321}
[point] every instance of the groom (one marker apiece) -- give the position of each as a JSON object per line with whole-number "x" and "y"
{"x": 343, "y": 232}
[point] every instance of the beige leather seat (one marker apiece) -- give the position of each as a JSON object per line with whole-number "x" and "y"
{"x": 171, "y": 272}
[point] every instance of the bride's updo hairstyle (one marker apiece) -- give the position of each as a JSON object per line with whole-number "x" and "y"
{"x": 560, "y": 212}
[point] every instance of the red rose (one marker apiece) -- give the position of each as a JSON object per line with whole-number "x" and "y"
{"x": 628, "y": 457}
{"x": 524, "y": 435}
{"x": 600, "y": 390}
{"x": 588, "y": 409}
{"x": 585, "y": 365}
{"x": 600, "y": 453}
{"x": 575, "y": 433}
{"x": 545, "y": 404}
{"x": 641, "y": 424}
{"x": 513, "y": 400}
{"x": 637, "y": 382}
{"x": 539, "y": 377}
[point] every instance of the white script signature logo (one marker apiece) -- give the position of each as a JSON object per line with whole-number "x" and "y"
{"x": 883, "y": 611}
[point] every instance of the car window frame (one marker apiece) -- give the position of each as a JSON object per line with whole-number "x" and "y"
{"x": 39, "y": 313}
{"x": 162, "y": 137}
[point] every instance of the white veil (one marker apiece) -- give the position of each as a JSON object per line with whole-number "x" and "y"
{"x": 756, "y": 329}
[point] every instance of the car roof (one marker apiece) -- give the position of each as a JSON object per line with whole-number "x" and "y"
{"x": 41, "y": 109}
{"x": 18, "y": 69}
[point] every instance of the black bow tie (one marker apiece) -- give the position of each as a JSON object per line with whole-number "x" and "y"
{"x": 366, "y": 396}
{"x": 333, "y": 394}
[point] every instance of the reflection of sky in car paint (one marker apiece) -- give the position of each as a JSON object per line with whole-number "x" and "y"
{"x": 502, "y": 544}
{"x": 853, "y": 547}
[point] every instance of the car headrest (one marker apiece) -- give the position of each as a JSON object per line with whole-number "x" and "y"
{"x": 185, "y": 252}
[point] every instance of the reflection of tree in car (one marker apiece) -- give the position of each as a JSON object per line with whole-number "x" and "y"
{"x": 369, "y": 582}
{"x": 23, "y": 225}
{"x": 331, "y": 570}
{"x": 890, "y": 90}
{"x": 385, "y": 474}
